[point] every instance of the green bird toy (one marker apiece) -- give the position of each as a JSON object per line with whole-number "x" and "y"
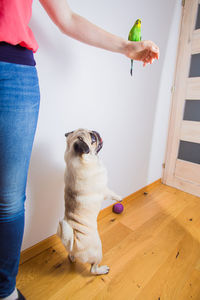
{"x": 135, "y": 36}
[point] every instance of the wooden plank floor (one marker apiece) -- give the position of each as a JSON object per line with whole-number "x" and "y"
{"x": 153, "y": 250}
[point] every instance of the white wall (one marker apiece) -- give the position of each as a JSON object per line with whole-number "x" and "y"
{"x": 162, "y": 112}
{"x": 82, "y": 86}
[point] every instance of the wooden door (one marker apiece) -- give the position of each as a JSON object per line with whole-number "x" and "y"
{"x": 182, "y": 165}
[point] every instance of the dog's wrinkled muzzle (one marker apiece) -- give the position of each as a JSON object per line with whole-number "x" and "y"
{"x": 80, "y": 147}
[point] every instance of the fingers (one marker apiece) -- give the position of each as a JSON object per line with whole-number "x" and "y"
{"x": 147, "y": 57}
{"x": 152, "y": 53}
{"x": 153, "y": 48}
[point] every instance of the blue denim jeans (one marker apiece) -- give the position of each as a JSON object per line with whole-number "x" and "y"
{"x": 19, "y": 106}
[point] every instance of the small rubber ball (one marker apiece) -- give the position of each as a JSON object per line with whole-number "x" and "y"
{"x": 118, "y": 208}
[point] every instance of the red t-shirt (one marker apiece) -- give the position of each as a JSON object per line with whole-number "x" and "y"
{"x": 14, "y": 19}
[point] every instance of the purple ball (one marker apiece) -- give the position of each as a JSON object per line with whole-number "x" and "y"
{"x": 118, "y": 208}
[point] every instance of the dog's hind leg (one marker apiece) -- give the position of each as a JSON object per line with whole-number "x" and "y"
{"x": 65, "y": 232}
{"x": 99, "y": 270}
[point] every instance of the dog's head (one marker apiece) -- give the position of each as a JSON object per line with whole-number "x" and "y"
{"x": 83, "y": 141}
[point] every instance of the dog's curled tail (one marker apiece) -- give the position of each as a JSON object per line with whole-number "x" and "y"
{"x": 65, "y": 232}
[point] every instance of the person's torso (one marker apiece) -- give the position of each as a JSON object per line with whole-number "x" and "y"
{"x": 16, "y": 38}
{"x": 14, "y": 19}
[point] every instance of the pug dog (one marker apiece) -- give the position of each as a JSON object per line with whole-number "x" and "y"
{"x": 85, "y": 189}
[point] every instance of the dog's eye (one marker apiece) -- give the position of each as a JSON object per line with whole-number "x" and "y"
{"x": 93, "y": 137}
{"x": 80, "y": 138}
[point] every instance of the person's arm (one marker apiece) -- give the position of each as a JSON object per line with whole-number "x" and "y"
{"x": 84, "y": 31}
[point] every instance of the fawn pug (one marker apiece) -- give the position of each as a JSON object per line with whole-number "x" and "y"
{"x": 85, "y": 188}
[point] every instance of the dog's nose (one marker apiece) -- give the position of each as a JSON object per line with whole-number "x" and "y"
{"x": 81, "y": 147}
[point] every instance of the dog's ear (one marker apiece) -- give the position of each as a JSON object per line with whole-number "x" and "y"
{"x": 66, "y": 134}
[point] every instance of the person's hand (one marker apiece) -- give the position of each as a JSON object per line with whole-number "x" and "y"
{"x": 145, "y": 51}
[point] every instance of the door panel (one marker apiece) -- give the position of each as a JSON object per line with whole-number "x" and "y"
{"x": 192, "y": 88}
{"x": 189, "y": 151}
{"x": 195, "y": 65}
{"x": 191, "y": 111}
{"x": 188, "y": 171}
{"x": 190, "y": 131}
{"x": 197, "y": 26}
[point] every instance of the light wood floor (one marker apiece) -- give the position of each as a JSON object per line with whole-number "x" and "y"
{"x": 153, "y": 250}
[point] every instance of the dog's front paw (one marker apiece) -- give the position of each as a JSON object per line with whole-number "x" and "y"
{"x": 117, "y": 198}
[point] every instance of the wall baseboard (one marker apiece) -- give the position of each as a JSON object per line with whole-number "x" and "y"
{"x": 38, "y": 248}
{"x": 53, "y": 240}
